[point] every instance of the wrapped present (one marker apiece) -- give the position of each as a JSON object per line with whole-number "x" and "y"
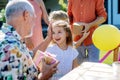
{"x": 48, "y": 57}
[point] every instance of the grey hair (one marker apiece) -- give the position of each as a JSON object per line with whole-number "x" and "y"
{"x": 16, "y": 7}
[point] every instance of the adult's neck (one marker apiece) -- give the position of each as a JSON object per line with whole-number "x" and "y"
{"x": 17, "y": 25}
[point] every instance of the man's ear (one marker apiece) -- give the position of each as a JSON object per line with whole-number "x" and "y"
{"x": 26, "y": 15}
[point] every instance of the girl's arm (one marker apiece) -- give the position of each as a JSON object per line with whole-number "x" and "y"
{"x": 43, "y": 46}
{"x": 75, "y": 63}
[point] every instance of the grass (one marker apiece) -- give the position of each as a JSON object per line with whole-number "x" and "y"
{"x": 109, "y": 59}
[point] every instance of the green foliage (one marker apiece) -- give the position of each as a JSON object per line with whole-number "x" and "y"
{"x": 63, "y": 5}
{"x": 2, "y": 15}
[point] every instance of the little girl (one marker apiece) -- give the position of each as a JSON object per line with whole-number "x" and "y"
{"x": 61, "y": 47}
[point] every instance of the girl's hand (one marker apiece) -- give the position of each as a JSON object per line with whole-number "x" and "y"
{"x": 49, "y": 33}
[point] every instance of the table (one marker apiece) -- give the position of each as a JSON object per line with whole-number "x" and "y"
{"x": 91, "y": 71}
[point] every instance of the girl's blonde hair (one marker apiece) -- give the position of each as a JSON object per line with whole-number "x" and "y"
{"x": 65, "y": 25}
{"x": 58, "y": 15}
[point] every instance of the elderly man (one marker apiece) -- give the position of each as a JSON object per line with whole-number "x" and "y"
{"x": 15, "y": 60}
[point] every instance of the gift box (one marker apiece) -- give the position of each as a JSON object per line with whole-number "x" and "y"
{"x": 48, "y": 57}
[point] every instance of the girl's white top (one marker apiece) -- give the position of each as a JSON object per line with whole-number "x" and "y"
{"x": 65, "y": 57}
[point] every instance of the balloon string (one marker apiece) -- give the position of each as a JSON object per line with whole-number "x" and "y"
{"x": 105, "y": 56}
{"x": 119, "y": 56}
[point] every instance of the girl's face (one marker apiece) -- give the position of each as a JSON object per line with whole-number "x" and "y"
{"x": 59, "y": 35}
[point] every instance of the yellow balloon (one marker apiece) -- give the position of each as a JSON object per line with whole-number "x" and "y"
{"x": 106, "y": 37}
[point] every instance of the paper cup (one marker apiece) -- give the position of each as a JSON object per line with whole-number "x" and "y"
{"x": 116, "y": 68}
{"x": 77, "y": 28}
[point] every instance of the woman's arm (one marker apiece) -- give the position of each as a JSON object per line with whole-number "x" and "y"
{"x": 44, "y": 15}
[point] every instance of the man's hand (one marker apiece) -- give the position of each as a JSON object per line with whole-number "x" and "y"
{"x": 87, "y": 27}
{"x": 46, "y": 71}
{"x": 78, "y": 43}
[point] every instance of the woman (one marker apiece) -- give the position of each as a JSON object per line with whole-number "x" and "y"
{"x": 41, "y": 13}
